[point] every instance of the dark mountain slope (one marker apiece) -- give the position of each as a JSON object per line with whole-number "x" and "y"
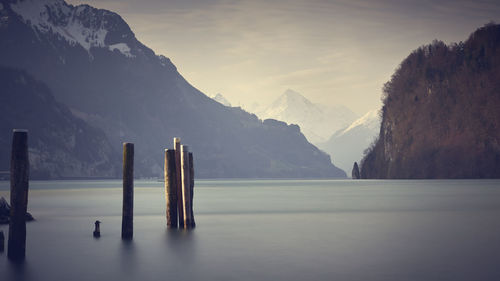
{"x": 441, "y": 114}
{"x": 60, "y": 145}
{"x": 93, "y": 63}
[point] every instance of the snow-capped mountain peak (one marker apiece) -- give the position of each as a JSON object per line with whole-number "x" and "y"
{"x": 290, "y": 107}
{"x": 80, "y": 25}
{"x": 371, "y": 120}
{"x": 347, "y": 145}
{"x": 317, "y": 122}
{"x": 291, "y": 98}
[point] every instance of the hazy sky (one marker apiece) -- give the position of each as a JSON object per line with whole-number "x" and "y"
{"x": 332, "y": 52}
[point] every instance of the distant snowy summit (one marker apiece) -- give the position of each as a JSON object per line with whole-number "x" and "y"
{"x": 221, "y": 99}
{"x": 317, "y": 122}
{"x": 369, "y": 122}
{"x": 348, "y": 144}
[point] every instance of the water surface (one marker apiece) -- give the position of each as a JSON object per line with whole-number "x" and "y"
{"x": 266, "y": 230}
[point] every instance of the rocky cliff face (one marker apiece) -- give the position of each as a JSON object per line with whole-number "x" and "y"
{"x": 92, "y": 63}
{"x": 60, "y": 144}
{"x": 441, "y": 114}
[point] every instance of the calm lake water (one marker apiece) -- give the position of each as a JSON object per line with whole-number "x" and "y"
{"x": 266, "y": 230}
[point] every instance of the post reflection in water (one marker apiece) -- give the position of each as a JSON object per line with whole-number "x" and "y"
{"x": 128, "y": 256}
{"x": 18, "y": 270}
{"x": 181, "y": 250}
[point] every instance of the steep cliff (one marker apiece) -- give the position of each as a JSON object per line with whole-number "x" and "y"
{"x": 441, "y": 113}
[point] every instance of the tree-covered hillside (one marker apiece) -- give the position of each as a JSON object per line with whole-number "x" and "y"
{"x": 441, "y": 113}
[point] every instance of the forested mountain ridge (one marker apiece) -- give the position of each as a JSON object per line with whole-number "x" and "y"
{"x": 441, "y": 113}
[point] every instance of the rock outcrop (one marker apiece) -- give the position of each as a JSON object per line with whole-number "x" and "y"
{"x": 5, "y": 212}
{"x": 355, "y": 171}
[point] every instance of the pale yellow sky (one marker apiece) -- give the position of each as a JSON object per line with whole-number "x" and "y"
{"x": 332, "y": 52}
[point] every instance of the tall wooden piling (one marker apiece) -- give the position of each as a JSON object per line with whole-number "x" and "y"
{"x": 128, "y": 191}
{"x": 180, "y": 206}
{"x": 186, "y": 186}
{"x": 19, "y": 184}
{"x": 170, "y": 188}
{"x": 2, "y": 241}
{"x": 191, "y": 187}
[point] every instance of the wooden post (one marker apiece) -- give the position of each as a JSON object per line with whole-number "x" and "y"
{"x": 128, "y": 191}
{"x": 180, "y": 207}
{"x": 191, "y": 175}
{"x": 170, "y": 188}
{"x": 186, "y": 186}
{"x": 19, "y": 184}
{"x": 2, "y": 241}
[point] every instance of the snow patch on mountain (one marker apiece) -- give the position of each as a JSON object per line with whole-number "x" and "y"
{"x": 371, "y": 121}
{"x": 123, "y": 48}
{"x": 63, "y": 20}
{"x": 41, "y": 14}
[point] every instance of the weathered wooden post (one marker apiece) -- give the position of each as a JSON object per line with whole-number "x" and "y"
{"x": 170, "y": 188}
{"x": 191, "y": 175}
{"x": 2, "y": 241}
{"x": 186, "y": 186}
{"x": 128, "y": 191}
{"x": 180, "y": 206}
{"x": 19, "y": 184}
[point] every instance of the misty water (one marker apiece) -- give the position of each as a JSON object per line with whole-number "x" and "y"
{"x": 266, "y": 230}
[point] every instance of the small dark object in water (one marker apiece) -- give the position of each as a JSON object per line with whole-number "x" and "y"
{"x": 29, "y": 217}
{"x": 5, "y": 212}
{"x": 2, "y": 240}
{"x": 97, "y": 230}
